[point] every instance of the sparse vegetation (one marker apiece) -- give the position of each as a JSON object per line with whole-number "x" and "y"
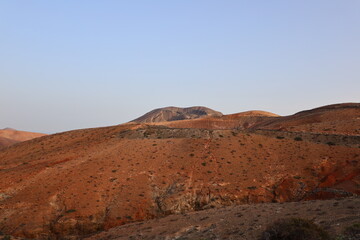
{"x": 294, "y": 229}
{"x": 350, "y": 233}
{"x": 209, "y": 170}
{"x": 70, "y": 211}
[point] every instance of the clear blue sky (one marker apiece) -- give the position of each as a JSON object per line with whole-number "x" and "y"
{"x": 77, "y": 64}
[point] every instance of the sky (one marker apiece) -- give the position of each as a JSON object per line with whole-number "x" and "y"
{"x": 68, "y": 65}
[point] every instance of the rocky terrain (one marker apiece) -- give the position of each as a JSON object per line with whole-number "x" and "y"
{"x": 242, "y": 222}
{"x": 176, "y": 113}
{"x": 9, "y": 136}
{"x": 77, "y": 183}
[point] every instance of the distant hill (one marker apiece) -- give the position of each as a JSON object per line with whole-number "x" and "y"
{"x": 9, "y": 136}
{"x": 176, "y": 113}
{"x": 242, "y": 120}
{"x": 252, "y": 114}
{"x": 4, "y": 142}
{"x": 335, "y": 119}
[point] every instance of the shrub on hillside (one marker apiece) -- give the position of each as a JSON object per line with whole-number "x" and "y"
{"x": 294, "y": 229}
{"x": 350, "y": 233}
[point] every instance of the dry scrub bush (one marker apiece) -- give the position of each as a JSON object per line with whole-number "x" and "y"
{"x": 294, "y": 229}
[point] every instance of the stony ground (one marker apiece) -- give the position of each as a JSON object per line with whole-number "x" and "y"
{"x": 239, "y": 222}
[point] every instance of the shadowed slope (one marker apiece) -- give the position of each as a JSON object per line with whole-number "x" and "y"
{"x": 4, "y": 142}
{"x": 245, "y": 222}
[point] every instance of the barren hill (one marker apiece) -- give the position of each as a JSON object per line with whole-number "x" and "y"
{"x": 9, "y": 136}
{"x": 243, "y": 120}
{"x": 4, "y": 142}
{"x": 332, "y": 119}
{"x": 79, "y": 182}
{"x": 175, "y": 113}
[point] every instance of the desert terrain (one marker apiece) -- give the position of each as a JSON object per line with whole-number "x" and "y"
{"x": 75, "y": 184}
{"x": 9, "y": 136}
{"x": 241, "y": 222}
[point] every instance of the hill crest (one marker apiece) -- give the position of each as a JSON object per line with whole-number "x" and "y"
{"x": 176, "y": 113}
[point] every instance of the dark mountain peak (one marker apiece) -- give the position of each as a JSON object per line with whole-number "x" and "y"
{"x": 176, "y": 113}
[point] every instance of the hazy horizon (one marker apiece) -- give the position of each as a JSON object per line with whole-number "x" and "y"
{"x": 68, "y": 65}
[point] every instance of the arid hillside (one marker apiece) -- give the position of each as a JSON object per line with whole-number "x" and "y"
{"x": 176, "y": 113}
{"x": 237, "y": 121}
{"x": 9, "y": 136}
{"x": 242, "y": 222}
{"x": 331, "y": 119}
{"x": 80, "y": 182}
{"x": 4, "y": 142}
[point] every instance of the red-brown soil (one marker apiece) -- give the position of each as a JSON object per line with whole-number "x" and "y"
{"x": 332, "y": 119}
{"x": 76, "y": 183}
{"x": 10, "y": 136}
{"x": 4, "y": 142}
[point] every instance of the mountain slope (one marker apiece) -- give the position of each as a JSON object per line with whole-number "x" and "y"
{"x": 243, "y": 222}
{"x": 332, "y": 119}
{"x": 175, "y": 113}
{"x": 9, "y": 136}
{"x": 79, "y": 182}
{"x": 19, "y": 135}
{"x": 4, "y": 142}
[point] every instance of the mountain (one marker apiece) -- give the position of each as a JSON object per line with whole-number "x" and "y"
{"x": 72, "y": 184}
{"x": 331, "y": 119}
{"x": 4, "y": 142}
{"x": 176, "y": 113}
{"x": 242, "y": 120}
{"x": 9, "y": 136}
